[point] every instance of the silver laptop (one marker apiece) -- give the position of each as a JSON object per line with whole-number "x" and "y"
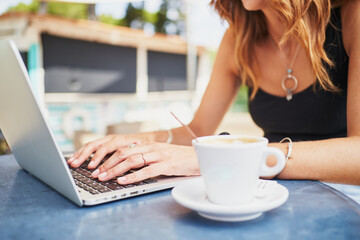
{"x": 26, "y": 130}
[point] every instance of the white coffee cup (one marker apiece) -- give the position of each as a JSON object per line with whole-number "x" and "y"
{"x": 232, "y": 164}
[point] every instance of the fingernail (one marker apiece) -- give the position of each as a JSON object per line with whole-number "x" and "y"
{"x": 75, "y": 161}
{"x": 70, "y": 159}
{"x": 121, "y": 179}
{"x": 103, "y": 175}
{"x": 95, "y": 173}
{"x": 91, "y": 164}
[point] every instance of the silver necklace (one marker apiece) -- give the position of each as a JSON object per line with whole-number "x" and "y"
{"x": 289, "y": 76}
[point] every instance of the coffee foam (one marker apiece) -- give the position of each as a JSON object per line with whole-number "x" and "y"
{"x": 242, "y": 140}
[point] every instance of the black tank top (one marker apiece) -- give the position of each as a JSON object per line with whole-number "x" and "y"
{"x": 312, "y": 114}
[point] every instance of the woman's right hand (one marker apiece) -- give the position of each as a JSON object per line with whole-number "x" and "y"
{"x": 101, "y": 147}
{"x": 134, "y": 152}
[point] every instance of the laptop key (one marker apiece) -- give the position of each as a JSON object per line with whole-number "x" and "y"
{"x": 107, "y": 184}
{"x": 104, "y": 190}
{"x": 83, "y": 179}
{"x": 147, "y": 181}
{"x": 87, "y": 181}
{"x": 93, "y": 184}
{"x": 115, "y": 187}
{"x": 87, "y": 188}
{"x": 86, "y": 174}
{"x": 93, "y": 192}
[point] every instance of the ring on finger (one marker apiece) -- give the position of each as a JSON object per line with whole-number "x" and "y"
{"x": 132, "y": 145}
{"x": 143, "y": 158}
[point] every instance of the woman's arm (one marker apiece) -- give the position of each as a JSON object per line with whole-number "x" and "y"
{"x": 332, "y": 160}
{"x": 219, "y": 94}
{"x": 163, "y": 158}
{"x": 335, "y": 160}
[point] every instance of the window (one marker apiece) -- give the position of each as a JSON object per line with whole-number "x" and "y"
{"x": 87, "y": 67}
{"x": 166, "y": 71}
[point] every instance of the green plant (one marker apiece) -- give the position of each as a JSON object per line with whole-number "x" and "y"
{"x": 22, "y": 7}
{"x": 108, "y": 19}
{"x": 136, "y": 16}
{"x": 4, "y": 147}
{"x": 241, "y": 101}
{"x": 68, "y": 10}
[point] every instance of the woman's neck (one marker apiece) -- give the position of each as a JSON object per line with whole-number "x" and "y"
{"x": 277, "y": 29}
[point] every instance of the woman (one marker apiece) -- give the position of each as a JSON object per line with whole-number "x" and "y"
{"x": 301, "y": 61}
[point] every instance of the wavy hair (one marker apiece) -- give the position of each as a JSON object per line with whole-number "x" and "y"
{"x": 306, "y": 20}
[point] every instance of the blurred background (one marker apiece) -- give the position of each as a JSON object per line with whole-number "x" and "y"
{"x": 107, "y": 66}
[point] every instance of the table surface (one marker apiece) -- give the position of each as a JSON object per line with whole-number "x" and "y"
{"x": 29, "y": 209}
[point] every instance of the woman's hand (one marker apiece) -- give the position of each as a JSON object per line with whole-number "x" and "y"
{"x": 128, "y": 152}
{"x": 101, "y": 147}
{"x": 155, "y": 158}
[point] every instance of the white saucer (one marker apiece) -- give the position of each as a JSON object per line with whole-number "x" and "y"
{"x": 191, "y": 194}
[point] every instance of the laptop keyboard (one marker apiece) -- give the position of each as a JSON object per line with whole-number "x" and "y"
{"x": 83, "y": 179}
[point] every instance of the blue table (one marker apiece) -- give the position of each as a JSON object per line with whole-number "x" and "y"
{"x": 30, "y": 209}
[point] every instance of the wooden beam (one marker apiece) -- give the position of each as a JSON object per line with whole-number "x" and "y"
{"x": 103, "y": 33}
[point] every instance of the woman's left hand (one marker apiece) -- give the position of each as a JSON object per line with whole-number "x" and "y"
{"x": 155, "y": 158}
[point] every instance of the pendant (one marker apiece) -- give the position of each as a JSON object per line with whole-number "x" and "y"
{"x": 289, "y": 91}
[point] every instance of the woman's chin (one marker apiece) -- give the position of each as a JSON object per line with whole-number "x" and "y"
{"x": 254, "y": 5}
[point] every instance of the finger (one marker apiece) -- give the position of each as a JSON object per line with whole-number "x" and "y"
{"x": 86, "y": 151}
{"x": 73, "y": 157}
{"x": 70, "y": 160}
{"x": 120, "y": 155}
{"x": 134, "y": 161}
{"x": 142, "y": 174}
{"x": 101, "y": 152}
{"x": 105, "y": 145}
{"x": 97, "y": 156}
{"x": 115, "y": 159}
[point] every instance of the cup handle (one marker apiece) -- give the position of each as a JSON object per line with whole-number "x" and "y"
{"x": 265, "y": 170}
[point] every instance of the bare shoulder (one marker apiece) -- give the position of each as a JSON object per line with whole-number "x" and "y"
{"x": 226, "y": 50}
{"x": 350, "y": 18}
{"x": 229, "y": 36}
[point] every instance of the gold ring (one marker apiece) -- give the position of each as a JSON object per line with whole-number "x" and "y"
{"x": 132, "y": 145}
{"x": 142, "y": 155}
